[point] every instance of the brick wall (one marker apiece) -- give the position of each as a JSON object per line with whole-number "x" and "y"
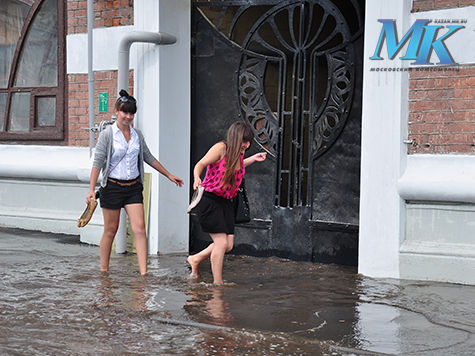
{"x": 442, "y": 111}
{"x": 107, "y": 13}
{"x": 78, "y": 103}
{"x": 426, "y": 5}
{"x": 442, "y": 103}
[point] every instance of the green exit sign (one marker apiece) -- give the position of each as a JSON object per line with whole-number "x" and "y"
{"x": 103, "y": 99}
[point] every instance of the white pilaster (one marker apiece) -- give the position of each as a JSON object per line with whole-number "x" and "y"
{"x": 162, "y": 87}
{"x": 383, "y": 153}
{"x": 174, "y": 130}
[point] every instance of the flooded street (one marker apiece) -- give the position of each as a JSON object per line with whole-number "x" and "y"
{"x": 54, "y": 301}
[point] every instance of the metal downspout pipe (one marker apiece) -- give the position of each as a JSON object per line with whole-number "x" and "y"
{"x": 159, "y": 38}
{"x": 123, "y": 83}
{"x": 90, "y": 71}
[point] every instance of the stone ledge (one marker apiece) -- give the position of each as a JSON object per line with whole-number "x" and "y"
{"x": 45, "y": 162}
{"x": 438, "y": 249}
{"x": 452, "y": 269}
{"x": 443, "y": 178}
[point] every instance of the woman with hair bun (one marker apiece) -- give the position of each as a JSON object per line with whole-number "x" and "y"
{"x": 225, "y": 170}
{"x": 120, "y": 154}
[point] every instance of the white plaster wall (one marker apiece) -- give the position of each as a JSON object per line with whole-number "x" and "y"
{"x": 384, "y": 127}
{"x": 175, "y": 125}
{"x": 44, "y": 188}
{"x": 163, "y": 90}
{"x": 146, "y": 78}
{"x": 439, "y": 243}
{"x": 438, "y": 228}
{"x": 105, "y": 49}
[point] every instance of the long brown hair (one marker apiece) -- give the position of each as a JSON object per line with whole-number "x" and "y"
{"x": 237, "y": 133}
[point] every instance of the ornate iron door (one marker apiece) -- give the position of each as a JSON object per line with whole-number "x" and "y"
{"x": 291, "y": 70}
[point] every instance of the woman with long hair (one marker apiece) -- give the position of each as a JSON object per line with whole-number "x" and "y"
{"x": 120, "y": 154}
{"x": 225, "y": 170}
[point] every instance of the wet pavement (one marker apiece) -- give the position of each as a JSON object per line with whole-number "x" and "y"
{"x": 54, "y": 301}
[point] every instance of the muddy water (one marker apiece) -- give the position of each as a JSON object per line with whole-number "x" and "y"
{"x": 53, "y": 301}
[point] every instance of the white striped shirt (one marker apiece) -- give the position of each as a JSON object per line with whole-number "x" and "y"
{"x": 124, "y": 160}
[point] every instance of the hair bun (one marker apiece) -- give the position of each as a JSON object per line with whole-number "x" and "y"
{"x": 124, "y": 93}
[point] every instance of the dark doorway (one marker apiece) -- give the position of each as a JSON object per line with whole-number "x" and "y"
{"x": 292, "y": 70}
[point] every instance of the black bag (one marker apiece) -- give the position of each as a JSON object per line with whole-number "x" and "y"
{"x": 242, "y": 213}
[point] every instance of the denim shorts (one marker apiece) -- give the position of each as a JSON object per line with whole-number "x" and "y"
{"x": 115, "y": 196}
{"x": 216, "y": 214}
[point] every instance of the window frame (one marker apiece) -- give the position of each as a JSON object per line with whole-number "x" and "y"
{"x": 36, "y": 132}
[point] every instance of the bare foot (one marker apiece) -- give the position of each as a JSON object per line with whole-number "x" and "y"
{"x": 194, "y": 275}
{"x": 194, "y": 267}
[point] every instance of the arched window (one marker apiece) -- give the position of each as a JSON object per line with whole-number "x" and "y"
{"x": 32, "y": 70}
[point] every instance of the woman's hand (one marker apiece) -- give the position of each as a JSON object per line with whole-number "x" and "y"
{"x": 260, "y": 157}
{"x": 196, "y": 183}
{"x": 90, "y": 195}
{"x": 175, "y": 180}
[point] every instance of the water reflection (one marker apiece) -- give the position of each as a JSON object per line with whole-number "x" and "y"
{"x": 106, "y": 292}
{"x": 270, "y": 307}
{"x": 133, "y": 297}
{"x": 410, "y": 317}
{"x": 217, "y": 308}
{"x": 206, "y": 305}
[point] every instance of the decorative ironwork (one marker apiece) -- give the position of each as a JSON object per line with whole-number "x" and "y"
{"x": 257, "y": 111}
{"x": 330, "y": 120}
{"x": 296, "y": 78}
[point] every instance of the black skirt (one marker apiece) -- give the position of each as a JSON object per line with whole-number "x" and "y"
{"x": 216, "y": 214}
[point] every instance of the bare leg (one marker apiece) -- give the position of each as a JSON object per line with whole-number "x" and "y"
{"x": 111, "y": 223}
{"x": 220, "y": 242}
{"x": 137, "y": 222}
{"x": 196, "y": 259}
{"x": 230, "y": 239}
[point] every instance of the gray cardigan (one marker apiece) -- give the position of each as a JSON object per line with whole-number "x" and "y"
{"x": 104, "y": 150}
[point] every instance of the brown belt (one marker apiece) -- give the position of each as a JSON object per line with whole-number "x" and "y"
{"x": 128, "y": 184}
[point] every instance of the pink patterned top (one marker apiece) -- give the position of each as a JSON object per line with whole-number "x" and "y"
{"x": 214, "y": 175}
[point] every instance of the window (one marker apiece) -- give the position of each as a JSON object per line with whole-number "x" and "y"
{"x": 32, "y": 70}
